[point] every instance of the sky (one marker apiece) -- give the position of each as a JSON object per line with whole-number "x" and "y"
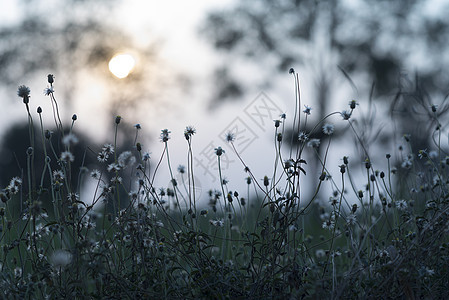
{"x": 174, "y": 25}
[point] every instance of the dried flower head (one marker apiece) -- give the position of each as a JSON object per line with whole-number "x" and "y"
{"x": 219, "y": 151}
{"x": 189, "y": 131}
{"x": 346, "y": 115}
{"x": 60, "y": 258}
{"x": 23, "y": 91}
{"x": 230, "y": 137}
{"x": 328, "y": 129}
{"x": 49, "y": 90}
{"x": 69, "y": 139}
{"x": 313, "y": 143}
{"x": 303, "y": 137}
{"x": 67, "y": 156}
{"x": 307, "y": 110}
{"x": 165, "y": 135}
{"x": 108, "y": 149}
{"x": 95, "y": 174}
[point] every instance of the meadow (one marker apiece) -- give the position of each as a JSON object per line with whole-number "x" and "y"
{"x": 385, "y": 238}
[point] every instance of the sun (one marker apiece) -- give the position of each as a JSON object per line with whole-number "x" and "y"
{"x": 122, "y": 64}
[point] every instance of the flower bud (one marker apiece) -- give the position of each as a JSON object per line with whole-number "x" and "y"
{"x": 50, "y": 78}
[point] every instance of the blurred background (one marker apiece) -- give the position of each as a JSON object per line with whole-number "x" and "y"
{"x": 223, "y": 66}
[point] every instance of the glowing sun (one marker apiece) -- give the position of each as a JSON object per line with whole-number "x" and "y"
{"x": 122, "y": 64}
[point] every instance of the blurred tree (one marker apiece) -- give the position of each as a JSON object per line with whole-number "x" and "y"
{"x": 365, "y": 38}
{"x": 75, "y": 39}
{"x": 373, "y": 38}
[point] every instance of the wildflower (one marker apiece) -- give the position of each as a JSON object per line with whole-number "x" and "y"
{"x": 293, "y": 227}
{"x": 146, "y": 156}
{"x": 329, "y": 224}
{"x": 353, "y": 104}
{"x": 189, "y": 131}
{"x": 277, "y": 123}
{"x": 125, "y": 159}
{"x": 116, "y": 180}
{"x": 313, "y": 143}
{"x": 336, "y": 253}
{"x": 351, "y": 219}
{"x": 433, "y": 154}
{"x": 95, "y": 174}
{"x": 422, "y": 154}
{"x": 219, "y": 151}
{"x": 165, "y": 135}
{"x": 289, "y": 163}
{"x": 108, "y": 149}
{"x": 429, "y": 272}
{"x": 48, "y": 91}
{"x": 137, "y": 126}
{"x": 102, "y": 156}
{"x": 266, "y": 181}
{"x": 73, "y": 197}
{"x": 303, "y": 137}
{"x": 67, "y": 156}
{"x": 181, "y": 169}
{"x": 60, "y": 258}
{"x": 328, "y": 129}
{"x": 291, "y": 71}
{"x": 216, "y": 223}
{"x": 23, "y": 91}
{"x": 114, "y": 167}
{"x": 307, "y": 110}
{"x": 407, "y": 163}
{"x": 15, "y": 181}
{"x": 283, "y": 116}
{"x": 69, "y": 139}
{"x": 346, "y": 115}
{"x": 230, "y": 137}
{"x": 133, "y": 195}
{"x": 58, "y": 177}
{"x": 401, "y": 205}
{"x": 320, "y": 253}
{"x": 118, "y": 119}
{"x": 333, "y": 201}
{"x": 14, "y": 184}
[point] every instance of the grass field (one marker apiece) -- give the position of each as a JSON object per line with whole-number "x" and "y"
{"x": 383, "y": 234}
